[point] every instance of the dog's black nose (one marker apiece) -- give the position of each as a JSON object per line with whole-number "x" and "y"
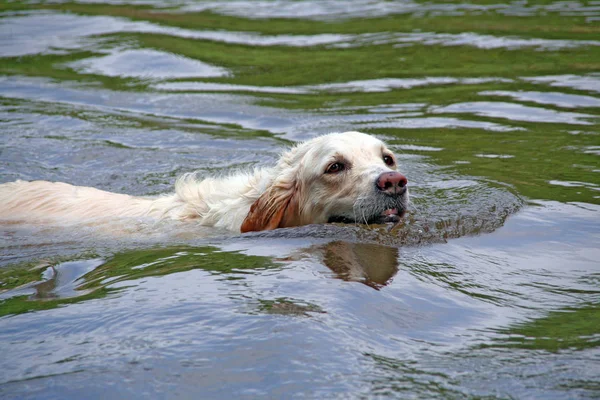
{"x": 391, "y": 182}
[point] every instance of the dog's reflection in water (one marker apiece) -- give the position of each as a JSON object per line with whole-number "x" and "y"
{"x": 372, "y": 264}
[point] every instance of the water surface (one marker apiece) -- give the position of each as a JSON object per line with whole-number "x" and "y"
{"x": 489, "y": 288}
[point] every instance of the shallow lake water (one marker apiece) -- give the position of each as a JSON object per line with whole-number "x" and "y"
{"x": 489, "y": 287}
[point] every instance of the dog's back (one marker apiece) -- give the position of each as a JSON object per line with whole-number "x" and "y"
{"x": 221, "y": 202}
{"x": 55, "y": 200}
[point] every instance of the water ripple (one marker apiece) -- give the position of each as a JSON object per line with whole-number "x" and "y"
{"x": 589, "y": 82}
{"x": 146, "y": 64}
{"x": 554, "y": 98}
{"x": 29, "y": 34}
{"x": 335, "y": 9}
{"x": 516, "y": 112}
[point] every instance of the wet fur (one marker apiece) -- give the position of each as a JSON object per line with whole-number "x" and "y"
{"x": 294, "y": 192}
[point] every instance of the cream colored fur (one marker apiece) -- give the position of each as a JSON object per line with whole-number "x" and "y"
{"x": 296, "y": 191}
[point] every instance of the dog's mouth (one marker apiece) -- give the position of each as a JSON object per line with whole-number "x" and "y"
{"x": 378, "y": 209}
{"x": 390, "y": 215}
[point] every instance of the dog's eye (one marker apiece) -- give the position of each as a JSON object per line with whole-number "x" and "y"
{"x": 388, "y": 160}
{"x": 335, "y": 167}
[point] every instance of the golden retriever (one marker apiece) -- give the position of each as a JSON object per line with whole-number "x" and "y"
{"x": 339, "y": 177}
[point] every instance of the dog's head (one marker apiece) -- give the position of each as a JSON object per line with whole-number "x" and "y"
{"x": 340, "y": 177}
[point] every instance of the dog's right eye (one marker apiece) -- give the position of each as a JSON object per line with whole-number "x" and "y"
{"x": 388, "y": 160}
{"x": 335, "y": 168}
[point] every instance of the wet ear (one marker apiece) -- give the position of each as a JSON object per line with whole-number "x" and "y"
{"x": 276, "y": 208}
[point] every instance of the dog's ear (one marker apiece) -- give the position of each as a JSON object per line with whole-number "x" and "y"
{"x": 276, "y": 208}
